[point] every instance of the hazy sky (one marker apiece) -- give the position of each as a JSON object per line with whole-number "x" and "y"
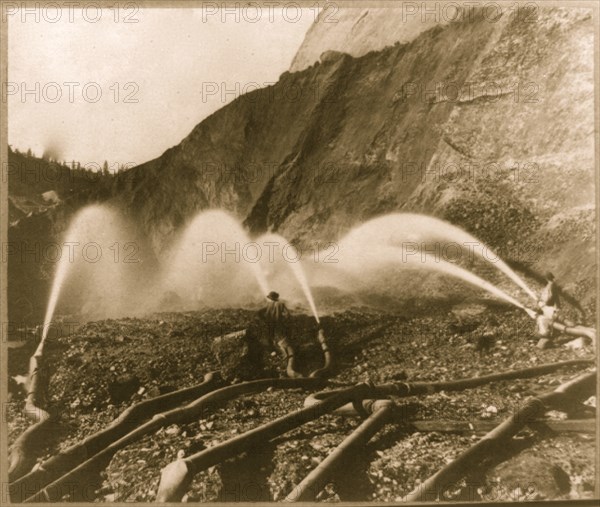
{"x": 175, "y": 61}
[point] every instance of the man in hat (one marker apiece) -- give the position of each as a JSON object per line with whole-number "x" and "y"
{"x": 549, "y": 295}
{"x": 548, "y": 306}
{"x": 544, "y": 326}
{"x": 276, "y": 316}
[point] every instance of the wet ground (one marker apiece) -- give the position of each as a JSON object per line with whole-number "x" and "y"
{"x": 163, "y": 352}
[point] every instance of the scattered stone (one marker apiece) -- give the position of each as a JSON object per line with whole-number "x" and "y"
{"x": 123, "y": 388}
{"x": 576, "y": 344}
{"x": 548, "y": 480}
{"x": 556, "y": 414}
{"x": 239, "y": 355}
{"x": 543, "y": 343}
{"x": 173, "y": 430}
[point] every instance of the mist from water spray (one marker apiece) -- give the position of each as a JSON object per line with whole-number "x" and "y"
{"x": 398, "y": 229}
{"x": 293, "y": 260}
{"x": 187, "y": 268}
{"x": 90, "y": 226}
{"x": 206, "y": 239}
{"x": 59, "y": 280}
{"x": 378, "y": 257}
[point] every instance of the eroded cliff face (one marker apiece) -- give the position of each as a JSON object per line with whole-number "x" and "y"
{"x": 359, "y": 30}
{"x": 489, "y": 125}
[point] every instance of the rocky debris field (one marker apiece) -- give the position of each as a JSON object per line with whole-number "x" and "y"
{"x": 105, "y": 366}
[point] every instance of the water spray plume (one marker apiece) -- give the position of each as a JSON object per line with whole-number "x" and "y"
{"x": 204, "y": 240}
{"x": 398, "y": 229}
{"x": 90, "y": 224}
{"x": 382, "y": 256}
{"x": 296, "y": 268}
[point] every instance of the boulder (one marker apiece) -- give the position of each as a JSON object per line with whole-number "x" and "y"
{"x": 528, "y": 477}
{"x": 123, "y": 388}
{"x": 239, "y": 355}
{"x": 331, "y": 56}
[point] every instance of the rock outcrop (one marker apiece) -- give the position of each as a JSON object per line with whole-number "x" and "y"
{"x": 359, "y": 30}
{"x": 486, "y": 122}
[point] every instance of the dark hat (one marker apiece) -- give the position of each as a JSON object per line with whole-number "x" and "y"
{"x": 549, "y": 276}
{"x": 273, "y": 296}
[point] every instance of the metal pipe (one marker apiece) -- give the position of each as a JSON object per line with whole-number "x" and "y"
{"x": 317, "y": 479}
{"x": 476, "y": 426}
{"x": 54, "y": 491}
{"x": 24, "y": 451}
{"x": 579, "y": 388}
{"x": 569, "y": 328}
{"x": 577, "y": 330}
{"x": 405, "y": 389}
{"x": 324, "y": 371}
{"x": 177, "y": 476}
{"x": 289, "y": 354}
{"x": 61, "y": 463}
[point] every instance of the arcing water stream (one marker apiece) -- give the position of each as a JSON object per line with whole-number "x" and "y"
{"x": 204, "y": 259}
{"x": 295, "y": 266}
{"x": 410, "y": 229}
{"x": 201, "y": 259}
{"x": 381, "y": 257}
{"x": 210, "y": 242}
{"x": 94, "y": 226}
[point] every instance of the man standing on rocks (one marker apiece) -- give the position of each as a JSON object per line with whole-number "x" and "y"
{"x": 548, "y": 305}
{"x": 276, "y": 317}
{"x": 549, "y": 295}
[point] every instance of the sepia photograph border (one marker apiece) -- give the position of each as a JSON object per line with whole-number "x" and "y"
{"x": 179, "y": 4}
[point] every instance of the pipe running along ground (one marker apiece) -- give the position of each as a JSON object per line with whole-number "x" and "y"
{"x": 326, "y": 369}
{"x": 433, "y": 488}
{"x": 405, "y": 389}
{"x": 316, "y": 480}
{"x": 577, "y": 330}
{"x": 68, "y": 459}
{"x": 177, "y": 476}
{"x": 567, "y": 328}
{"x": 23, "y": 451}
{"x": 54, "y": 491}
{"x": 380, "y": 413}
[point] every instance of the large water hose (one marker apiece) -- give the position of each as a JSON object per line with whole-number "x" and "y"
{"x": 317, "y": 479}
{"x": 177, "y": 476}
{"x": 568, "y": 328}
{"x": 434, "y": 487}
{"x": 290, "y": 357}
{"x": 54, "y": 491}
{"x": 405, "y": 389}
{"x": 577, "y": 330}
{"x": 66, "y": 460}
{"x": 23, "y": 451}
{"x": 325, "y": 370}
